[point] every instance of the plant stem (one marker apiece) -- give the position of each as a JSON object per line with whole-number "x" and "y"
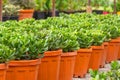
{"x": 0, "y": 10}
{"x": 114, "y": 6}
{"x": 53, "y": 8}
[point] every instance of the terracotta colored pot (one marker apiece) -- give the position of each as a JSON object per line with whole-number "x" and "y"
{"x": 95, "y": 60}
{"x": 82, "y": 62}
{"x": 50, "y": 65}
{"x": 119, "y": 49}
{"x": 23, "y": 70}
{"x": 3, "y": 69}
{"x": 113, "y": 49}
{"x": 104, "y": 55}
{"x": 27, "y": 13}
{"x": 67, "y": 65}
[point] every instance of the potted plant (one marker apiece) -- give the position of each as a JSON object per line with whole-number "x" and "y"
{"x": 97, "y": 49}
{"x": 70, "y": 6}
{"x": 114, "y": 44}
{"x": 83, "y": 54}
{"x": 107, "y": 10}
{"x": 27, "y": 8}
{"x": 51, "y": 57}
{"x": 40, "y": 9}
{"x": 97, "y": 8}
{"x": 27, "y": 47}
{"x": 6, "y": 54}
{"x": 10, "y": 11}
{"x": 69, "y": 45}
{"x": 61, "y": 6}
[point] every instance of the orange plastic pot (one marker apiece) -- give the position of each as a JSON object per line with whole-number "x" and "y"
{"x": 113, "y": 49}
{"x": 104, "y": 55}
{"x": 27, "y": 13}
{"x": 119, "y": 49}
{"x": 82, "y": 62}
{"x": 50, "y": 65}
{"x": 3, "y": 69}
{"x": 95, "y": 60}
{"x": 23, "y": 70}
{"x": 67, "y": 64}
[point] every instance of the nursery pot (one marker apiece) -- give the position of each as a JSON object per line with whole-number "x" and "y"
{"x": 50, "y": 64}
{"x": 3, "y": 69}
{"x": 119, "y": 49}
{"x": 67, "y": 65}
{"x": 49, "y": 13}
{"x": 39, "y": 15}
{"x": 23, "y": 70}
{"x": 5, "y": 18}
{"x": 95, "y": 60}
{"x": 113, "y": 49}
{"x": 81, "y": 11}
{"x": 105, "y": 12}
{"x": 69, "y": 12}
{"x": 104, "y": 55}
{"x": 98, "y": 11}
{"x": 82, "y": 62}
{"x": 27, "y": 13}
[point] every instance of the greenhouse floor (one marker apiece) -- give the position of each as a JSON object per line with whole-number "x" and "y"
{"x": 106, "y": 68}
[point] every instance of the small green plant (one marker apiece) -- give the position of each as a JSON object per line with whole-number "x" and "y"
{"x": 6, "y": 54}
{"x": 40, "y": 5}
{"x": 54, "y": 40}
{"x": 113, "y": 74}
{"x": 25, "y": 4}
{"x": 118, "y": 5}
{"x": 10, "y": 10}
{"x": 98, "y": 37}
{"x": 84, "y": 40}
{"x": 69, "y": 41}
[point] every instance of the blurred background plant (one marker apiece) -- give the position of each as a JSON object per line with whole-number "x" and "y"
{"x": 24, "y": 4}
{"x": 9, "y": 9}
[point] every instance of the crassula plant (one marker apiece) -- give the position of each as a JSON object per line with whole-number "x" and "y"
{"x": 69, "y": 41}
{"x": 84, "y": 40}
{"x": 98, "y": 37}
{"x": 54, "y": 40}
{"x": 27, "y": 45}
{"x": 6, "y": 54}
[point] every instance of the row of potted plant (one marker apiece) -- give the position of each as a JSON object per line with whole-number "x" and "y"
{"x": 58, "y": 38}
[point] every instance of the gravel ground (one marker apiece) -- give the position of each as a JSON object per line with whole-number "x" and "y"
{"x": 106, "y": 68}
